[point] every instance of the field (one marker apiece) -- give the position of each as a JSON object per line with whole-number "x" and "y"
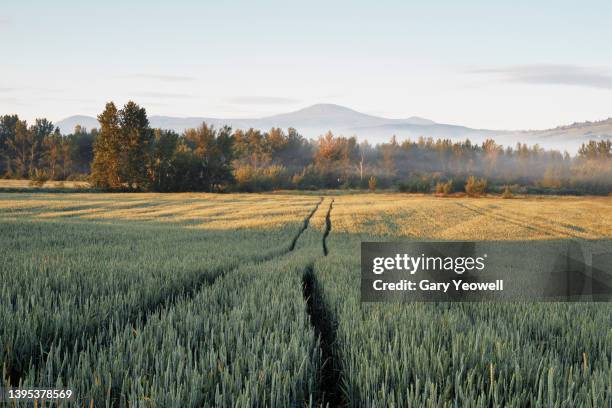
{"x": 163, "y": 300}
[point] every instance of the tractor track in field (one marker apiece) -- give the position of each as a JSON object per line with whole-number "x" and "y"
{"x": 328, "y": 227}
{"x": 330, "y": 392}
{"x": 513, "y": 220}
{"x": 168, "y": 300}
{"x": 305, "y": 225}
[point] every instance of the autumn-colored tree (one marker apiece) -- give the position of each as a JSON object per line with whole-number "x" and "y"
{"x": 475, "y": 187}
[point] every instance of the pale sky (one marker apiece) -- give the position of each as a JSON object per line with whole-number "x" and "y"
{"x": 482, "y": 64}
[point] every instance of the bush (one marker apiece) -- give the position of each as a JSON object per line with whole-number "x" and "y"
{"x": 372, "y": 184}
{"x": 444, "y": 188}
{"x": 420, "y": 184}
{"x": 250, "y": 179}
{"x": 475, "y": 187}
{"x": 507, "y": 193}
{"x": 39, "y": 178}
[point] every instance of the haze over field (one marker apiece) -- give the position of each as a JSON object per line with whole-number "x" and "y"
{"x": 316, "y": 120}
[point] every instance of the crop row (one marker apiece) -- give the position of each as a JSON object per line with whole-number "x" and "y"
{"x": 64, "y": 283}
{"x": 245, "y": 340}
{"x": 462, "y": 354}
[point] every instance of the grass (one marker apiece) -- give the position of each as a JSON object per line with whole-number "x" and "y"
{"x": 198, "y": 300}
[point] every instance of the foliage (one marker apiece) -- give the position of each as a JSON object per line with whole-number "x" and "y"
{"x": 444, "y": 188}
{"x": 250, "y": 179}
{"x": 39, "y": 178}
{"x": 121, "y": 151}
{"x": 416, "y": 184}
{"x": 475, "y": 187}
{"x": 132, "y": 156}
{"x": 507, "y": 192}
{"x": 372, "y": 184}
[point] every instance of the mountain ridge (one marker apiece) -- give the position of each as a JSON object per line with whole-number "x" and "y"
{"x": 315, "y": 120}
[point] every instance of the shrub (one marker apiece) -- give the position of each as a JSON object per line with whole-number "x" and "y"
{"x": 475, "y": 187}
{"x": 420, "y": 184}
{"x": 39, "y": 178}
{"x": 507, "y": 193}
{"x": 372, "y": 183}
{"x": 251, "y": 179}
{"x": 444, "y": 188}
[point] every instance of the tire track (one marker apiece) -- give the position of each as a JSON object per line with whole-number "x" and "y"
{"x": 328, "y": 227}
{"x": 330, "y": 392}
{"x": 489, "y": 213}
{"x": 305, "y": 225}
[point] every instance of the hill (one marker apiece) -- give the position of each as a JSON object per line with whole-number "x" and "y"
{"x": 316, "y": 120}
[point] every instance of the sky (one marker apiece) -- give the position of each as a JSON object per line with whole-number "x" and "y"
{"x": 483, "y": 64}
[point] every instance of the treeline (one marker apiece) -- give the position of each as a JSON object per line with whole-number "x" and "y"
{"x": 126, "y": 154}
{"x": 39, "y": 150}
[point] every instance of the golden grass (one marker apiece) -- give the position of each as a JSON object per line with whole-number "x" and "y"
{"x": 422, "y": 216}
{"x": 195, "y": 210}
{"x": 25, "y": 184}
{"x": 474, "y": 218}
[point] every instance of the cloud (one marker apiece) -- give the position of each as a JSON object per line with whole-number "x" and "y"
{"x": 10, "y": 99}
{"x": 262, "y": 100}
{"x": 164, "y": 95}
{"x": 4, "y": 21}
{"x": 551, "y": 74}
{"x": 161, "y": 77}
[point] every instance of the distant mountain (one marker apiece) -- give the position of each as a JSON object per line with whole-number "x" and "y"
{"x": 67, "y": 125}
{"x": 312, "y": 121}
{"x": 316, "y": 120}
{"x": 568, "y": 137}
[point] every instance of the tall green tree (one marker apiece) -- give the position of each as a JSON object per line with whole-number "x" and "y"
{"x": 163, "y": 160}
{"x": 106, "y": 165}
{"x": 212, "y": 151}
{"x": 7, "y": 131}
{"x": 18, "y": 150}
{"x": 41, "y": 130}
{"x": 136, "y": 138}
{"x": 122, "y": 149}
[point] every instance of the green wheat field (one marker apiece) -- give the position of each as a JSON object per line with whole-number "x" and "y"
{"x": 241, "y": 300}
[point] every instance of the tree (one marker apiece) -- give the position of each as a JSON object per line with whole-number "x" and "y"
{"x": 39, "y": 132}
{"x": 79, "y": 151}
{"x": 7, "y": 131}
{"x": 552, "y": 177}
{"x": 106, "y": 166}
{"x": 163, "y": 157}
{"x": 18, "y": 150}
{"x": 122, "y": 150}
{"x": 212, "y": 151}
{"x": 54, "y": 155}
{"x": 135, "y": 147}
